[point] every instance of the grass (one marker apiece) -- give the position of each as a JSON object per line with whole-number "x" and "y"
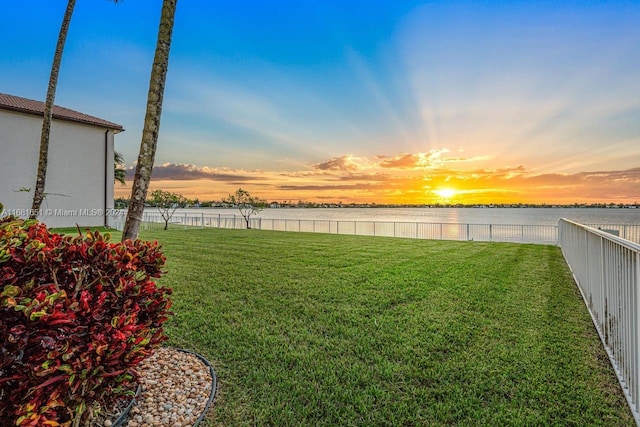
{"x": 333, "y": 330}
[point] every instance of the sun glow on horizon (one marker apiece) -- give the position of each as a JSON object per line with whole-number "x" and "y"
{"x": 446, "y": 193}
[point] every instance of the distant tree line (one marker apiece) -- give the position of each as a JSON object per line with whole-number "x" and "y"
{"x": 224, "y": 203}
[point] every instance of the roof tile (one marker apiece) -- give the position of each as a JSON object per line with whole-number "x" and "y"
{"x": 29, "y": 106}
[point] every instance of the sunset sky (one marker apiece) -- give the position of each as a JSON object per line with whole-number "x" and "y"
{"x": 386, "y": 101}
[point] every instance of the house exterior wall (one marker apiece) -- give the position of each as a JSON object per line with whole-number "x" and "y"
{"x": 79, "y": 182}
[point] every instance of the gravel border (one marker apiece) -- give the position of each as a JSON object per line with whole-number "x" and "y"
{"x": 214, "y": 384}
{"x": 178, "y": 386}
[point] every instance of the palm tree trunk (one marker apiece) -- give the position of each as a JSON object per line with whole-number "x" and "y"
{"x": 38, "y": 192}
{"x": 151, "y": 127}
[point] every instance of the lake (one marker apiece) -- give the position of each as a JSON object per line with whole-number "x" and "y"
{"x": 519, "y": 216}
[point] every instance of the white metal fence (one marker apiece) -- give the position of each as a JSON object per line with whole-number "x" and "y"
{"x": 626, "y": 231}
{"x": 545, "y": 234}
{"x": 607, "y": 271}
{"x": 542, "y": 234}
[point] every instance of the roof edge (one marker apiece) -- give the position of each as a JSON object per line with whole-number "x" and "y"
{"x": 36, "y": 108}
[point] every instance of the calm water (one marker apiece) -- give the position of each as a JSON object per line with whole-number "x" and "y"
{"x": 520, "y": 216}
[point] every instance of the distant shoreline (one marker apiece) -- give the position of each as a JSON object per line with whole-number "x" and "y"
{"x": 425, "y": 206}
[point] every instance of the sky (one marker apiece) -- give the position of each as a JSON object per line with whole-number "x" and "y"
{"x": 365, "y": 101}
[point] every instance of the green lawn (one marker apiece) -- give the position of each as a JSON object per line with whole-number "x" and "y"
{"x": 333, "y": 330}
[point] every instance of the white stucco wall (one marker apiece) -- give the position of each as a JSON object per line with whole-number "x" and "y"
{"x": 80, "y": 164}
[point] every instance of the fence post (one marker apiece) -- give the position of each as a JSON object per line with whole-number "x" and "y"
{"x": 604, "y": 296}
{"x": 637, "y": 325}
{"x": 490, "y": 233}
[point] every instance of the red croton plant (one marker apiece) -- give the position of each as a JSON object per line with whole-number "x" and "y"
{"x": 77, "y": 315}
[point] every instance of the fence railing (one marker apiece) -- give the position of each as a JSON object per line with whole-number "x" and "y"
{"x": 542, "y": 234}
{"x": 629, "y": 232}
{"x": 545, "y": 234}
{"x": 606, "y": 269}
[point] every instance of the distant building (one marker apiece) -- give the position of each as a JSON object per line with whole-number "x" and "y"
{"x": 80, "y": 181}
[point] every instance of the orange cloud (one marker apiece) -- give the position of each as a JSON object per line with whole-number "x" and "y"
{"x": 344, "y": 163}
{"x": 402, "y": 161}
{"x": 413, "y": 160}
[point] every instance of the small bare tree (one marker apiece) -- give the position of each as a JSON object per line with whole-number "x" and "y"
{"x": 246, "y": 204}
{"x": 167, "y": 203}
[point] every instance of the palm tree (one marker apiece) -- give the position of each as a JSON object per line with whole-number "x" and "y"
{"x": 38, "y": 193}
{"x": 119, "y": 173}
{"x": 151, "y": 127}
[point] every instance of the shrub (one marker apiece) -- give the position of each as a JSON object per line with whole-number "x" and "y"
{"x": 77, "y": 315}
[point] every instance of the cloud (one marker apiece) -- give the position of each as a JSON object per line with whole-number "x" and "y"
{"x": 344, "y": 163}
{"x": 186, "y": 172}
{"x": 349, "y": 163}
{"x": 330, "y": 187}
{"x": 432, "y": 159}
{"x": 402, "y": 161}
